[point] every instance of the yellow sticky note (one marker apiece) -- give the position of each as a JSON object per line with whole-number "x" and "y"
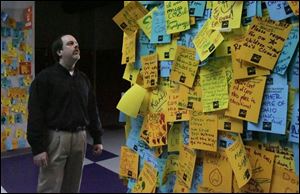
{"x": 172, "y": 112}
{"x": 177, "y": 16}
{"x": 224, "y": 49}
{"x": 146, "y": 182}
{"x": 214, "y": 88}
{"x": 175, "y": 137}
{"x": 127, "y": 17}
{"x": 158, "y": 100}
{"x": 131, "y": 101}
{"x": 150, "y": 70}
{"x": 180, "y": 187}
{"x": 185, "y": 66}
{"x": 284, "y": 181}
{"x": 166, "y": 52}
{"x": 203, "y": 131}
{"x": 4, "y": 110}
{"x": 129, "y": 163}
{"x": 226, "y": 14}
{"x": 226, "y": 123}
{"x": 187, "y": 159}
{"x": 130, "y": 73}
{"x": 154, "y": 130}
{"x": 207, "y": 40}
{"x": 263, "y": 42}
{"x": 20, "y": 133}
{"x": 245, "y": 98}
{"x": 294, "y": 6}
{"x": 128, "y": 48}
{"x": 215, "y": 168}
{"x": 145, "y": 23}
{"x": 171, "y": 166}
{"x": 243, "y": 69}
{"x": 239, "y": 162}
{"x": 262, "y": 163}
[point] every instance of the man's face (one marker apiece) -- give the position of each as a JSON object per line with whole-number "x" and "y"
{"x": 70, "y": 49}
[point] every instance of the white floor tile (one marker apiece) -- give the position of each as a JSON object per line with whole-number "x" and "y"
{"x": 87, "y": 161}
{"x": 112, "y": 164}
{"x": 3, "y": 190}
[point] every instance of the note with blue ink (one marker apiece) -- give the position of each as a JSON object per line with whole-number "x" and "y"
{"x": 279, "y": 10}
{"x": 294, "y": 127}
{"x": 294, "y": 70}
{"x": 196, "y": 8}
{"x": 158, "y": 31}
{"x": 273, "y": 114}
{"x": 287, "y": 51}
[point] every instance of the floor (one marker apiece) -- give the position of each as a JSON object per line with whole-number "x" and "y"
{"x": 19, "y": 175}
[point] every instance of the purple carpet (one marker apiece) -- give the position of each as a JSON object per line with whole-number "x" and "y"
{"x": 19, "y": 175}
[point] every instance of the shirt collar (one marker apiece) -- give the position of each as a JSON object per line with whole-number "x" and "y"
{"x": 64, "y": 70}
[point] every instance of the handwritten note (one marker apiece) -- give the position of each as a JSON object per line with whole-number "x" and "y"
{"x": 214, "y": 89}
{"x": 172, "y": 112}
{"x": 129, "y": 162}
{"x": 284, "y": 181}
{"x": 184, "y": 67}
{"x": 245, "y": 98}
{"x": 294, "y": 128}
{"x": 279, "y": 10}
{"x": 294, "y": 6}
{"x": 226, "y": 123}
{"x": 217, "y": 172}
{"x": 262, "y": 170}
{"x": 127, "y": 17}
{"x": 294, "y": 70}
{"x": 159, "y": 33}
{"x": 196, "y": 8}
{"x": 243, "y": 69}
{"x": 287, "y": 51}
{"x": 239, "y": 162}
{"x": 207, "y": 40}
{"x": 128, "y": 48}
{"x": 203, "y": 131}
{"x": 167, "y": 52}
{"x": 263, "y": 42}
{"x": 177, "y": 16}
{"x": 273, "y": 114}
{"x": 187, "y": 159}
{"x": 150, "y": 70}
{"x": 175, "y": 137}
{"x": 226, "y": 15}
{"x": 146, "y": 181}
{"x": 145, "y": 23}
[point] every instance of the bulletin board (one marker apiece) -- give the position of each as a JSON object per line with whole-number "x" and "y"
{"x": 214, "y": 99}
{"x": 17, "y": 71}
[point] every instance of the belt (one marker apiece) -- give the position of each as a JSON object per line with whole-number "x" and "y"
{"x": 75, "y": 129}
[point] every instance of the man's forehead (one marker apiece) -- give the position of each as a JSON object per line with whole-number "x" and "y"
{"x": 67, "y": 38}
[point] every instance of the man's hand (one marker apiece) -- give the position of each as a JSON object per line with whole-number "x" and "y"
{"x": 97, "y": 149}
{"x": 41, "y": 159}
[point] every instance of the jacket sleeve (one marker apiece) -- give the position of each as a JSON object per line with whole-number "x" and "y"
{"x": 95, "y": 126}
{"x": 37, "y": 134}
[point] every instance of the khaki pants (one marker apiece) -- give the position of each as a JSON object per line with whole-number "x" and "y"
{"x": 66, "y": 153}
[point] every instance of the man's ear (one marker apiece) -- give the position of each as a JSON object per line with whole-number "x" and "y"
{"x": 59, "y": 52}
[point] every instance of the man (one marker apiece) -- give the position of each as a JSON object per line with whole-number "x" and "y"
{"x": 61, "y": 107}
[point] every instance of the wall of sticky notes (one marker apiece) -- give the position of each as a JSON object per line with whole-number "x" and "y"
{"x": 17, "y": 71}
{"x": 214, "y": 99}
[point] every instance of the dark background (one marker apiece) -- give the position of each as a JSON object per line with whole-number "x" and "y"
{"x": 100, "y": 41}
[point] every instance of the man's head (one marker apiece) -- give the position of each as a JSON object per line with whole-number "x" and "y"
{"x": 65, "y": 50}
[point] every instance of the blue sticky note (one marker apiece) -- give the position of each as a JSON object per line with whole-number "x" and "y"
{"x": 165, "y": 68}
{"x": 3, "y": 46}
{"x": 207, "y": 13}
{"x": 22, "y": 142}
{"x": 136, "y": 123}
{"x": 8, "y": 143}
{"x": 273, "y": 112}
{"x": 28, "y": 57}
{"x": 294, "y": 127}
{"x": 131, "y": 183}
{"x": 150, "y": 2}
{"x": 143, "y": 49}
{"x": 294, "y": 70}
{"x": 224, "y": 142}
{"x": 169, "y": 185}
{"x": 20, "y": 25}
{"x": 158, "y": 31}
{"x": 142, "y": 37}
{"x": 18, "y": 118}
{"x": 6, "y": 83}
{"x": 296, "y": 157}
{"x": 250, "y": 7}
{"x": 197, "y": 178}
{"x": 185, "y": 132}
{"x": 3, "y": 120}
{"x": 21, "y": 81}
{"x": 196, "y": 8}
{"x": 279, "y": 10}
{"x": 4, "y": 16}
{"x": 287, "y": 52}
{"x": 258, "y": 9}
